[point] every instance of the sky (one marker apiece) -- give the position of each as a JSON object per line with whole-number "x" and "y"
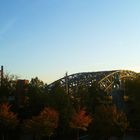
{"x": 47, "y": 38}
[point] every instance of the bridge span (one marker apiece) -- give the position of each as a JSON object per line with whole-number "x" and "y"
{"x": 106, "y": 80}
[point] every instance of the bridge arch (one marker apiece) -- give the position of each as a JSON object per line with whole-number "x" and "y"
{"x": 107, "y": 80}
{"x": 116, "y": 79}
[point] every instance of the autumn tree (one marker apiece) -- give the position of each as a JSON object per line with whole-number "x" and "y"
{"x": 80, "y": 121}
{"x": 8, "y": 120}
{"x": 44, "y": 124}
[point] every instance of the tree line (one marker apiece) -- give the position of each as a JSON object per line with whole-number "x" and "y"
{"x": 54, "y": 114}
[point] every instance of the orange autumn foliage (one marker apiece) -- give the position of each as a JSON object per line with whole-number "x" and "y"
{"x": 43, "y": 124}
{"x": 50, "y": 116}
{"x": 80, "y": 120}
{"x": 8, "y": 119}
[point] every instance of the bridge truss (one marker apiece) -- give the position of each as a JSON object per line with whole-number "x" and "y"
{"x": 106, "y": 80}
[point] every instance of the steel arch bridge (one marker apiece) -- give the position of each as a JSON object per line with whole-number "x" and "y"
{"x": 106, "y": 80}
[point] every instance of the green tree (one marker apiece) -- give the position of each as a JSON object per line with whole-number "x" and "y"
{"x": 36, "y": 98}
{"x": 108, "y": 121}
{"x": 8, "y": 87}
{"x": 132, "y": 90}
{"x": 36, "y": 86}
{"x": 59, "y": 100}
{"x": 95, "y": 97}
{"x": 89, "y": 97}
{"x": 78, "y": 97}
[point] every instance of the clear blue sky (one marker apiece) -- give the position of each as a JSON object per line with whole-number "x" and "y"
{"x": 46, "y": 38}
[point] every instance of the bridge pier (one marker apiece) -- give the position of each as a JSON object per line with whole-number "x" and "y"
{"x": 118, "y": 98}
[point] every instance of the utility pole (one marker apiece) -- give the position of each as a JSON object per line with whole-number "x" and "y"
{"x": 67, "y": 84}
{"x": 1, "y": 76}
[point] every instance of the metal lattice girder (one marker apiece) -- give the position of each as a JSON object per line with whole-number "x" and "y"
{"x": 105, "y": 79}
{"x": 115, "y": 79}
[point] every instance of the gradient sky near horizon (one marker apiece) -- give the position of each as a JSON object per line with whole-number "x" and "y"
{"x": 47, "y": 38}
